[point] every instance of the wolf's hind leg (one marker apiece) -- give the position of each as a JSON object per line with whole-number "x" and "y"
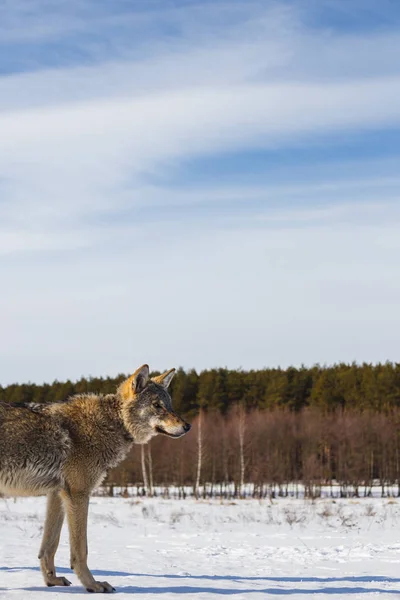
{"x": 50, "y": 540}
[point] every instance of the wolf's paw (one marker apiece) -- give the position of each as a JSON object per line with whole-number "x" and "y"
{"x": 101, "y": 586}
{"x": 52, "y": 581}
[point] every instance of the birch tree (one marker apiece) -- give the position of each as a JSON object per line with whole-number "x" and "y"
{"x": 241, "y": 432}
{"x": 150, "y": 463}
{"x": 199, "y": 453}
{"x": 144, "y": 471}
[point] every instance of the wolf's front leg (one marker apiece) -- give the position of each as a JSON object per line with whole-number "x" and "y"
{"x": 77, "y": 505}
{"x": 51, "y": 537}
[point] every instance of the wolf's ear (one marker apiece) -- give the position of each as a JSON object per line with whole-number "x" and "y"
{"x": 165, "y": 379}
{"x": 135, "y": 383}
{"x": 139, "y": 379}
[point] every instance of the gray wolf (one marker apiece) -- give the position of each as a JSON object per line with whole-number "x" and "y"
{"x": 64, "y": 450}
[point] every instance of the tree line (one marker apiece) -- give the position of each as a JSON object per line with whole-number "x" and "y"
{"x": 341, "y": 386}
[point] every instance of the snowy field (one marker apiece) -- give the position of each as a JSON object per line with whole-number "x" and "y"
{"x": 186, "y": 549}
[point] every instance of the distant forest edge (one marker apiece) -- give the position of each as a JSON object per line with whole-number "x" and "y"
{"x": 333, "y": 426}
{"x": 356, "y": 387}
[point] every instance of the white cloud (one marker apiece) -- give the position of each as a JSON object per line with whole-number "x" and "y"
{"x": 76, "y": 159}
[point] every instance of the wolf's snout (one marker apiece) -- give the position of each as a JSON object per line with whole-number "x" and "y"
{"x": 187, "y": 427}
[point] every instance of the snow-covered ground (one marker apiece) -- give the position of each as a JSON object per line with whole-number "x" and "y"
{"x": 248, "y": 549}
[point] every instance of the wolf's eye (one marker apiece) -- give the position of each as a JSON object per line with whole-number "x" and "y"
{"x": 157, "y": 404}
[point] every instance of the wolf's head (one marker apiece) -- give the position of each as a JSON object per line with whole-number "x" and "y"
{"x": 147, "y": 406}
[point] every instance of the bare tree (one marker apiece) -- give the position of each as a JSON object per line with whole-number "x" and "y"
{"x": 241, "y": 432}
{"x": 150, "y": 463}
{"x": 199, "y": 453}
{"x": 144, "y": 472}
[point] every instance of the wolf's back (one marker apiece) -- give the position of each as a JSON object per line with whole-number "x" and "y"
{"x": 33, "y": 449}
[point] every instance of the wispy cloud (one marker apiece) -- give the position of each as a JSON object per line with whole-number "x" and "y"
{"x": 95, "y": 156}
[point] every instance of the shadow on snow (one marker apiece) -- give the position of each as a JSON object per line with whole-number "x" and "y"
{"x": 195, "y": 589}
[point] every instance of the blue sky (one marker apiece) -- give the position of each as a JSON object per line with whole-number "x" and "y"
{"x": 197, "y": 183}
